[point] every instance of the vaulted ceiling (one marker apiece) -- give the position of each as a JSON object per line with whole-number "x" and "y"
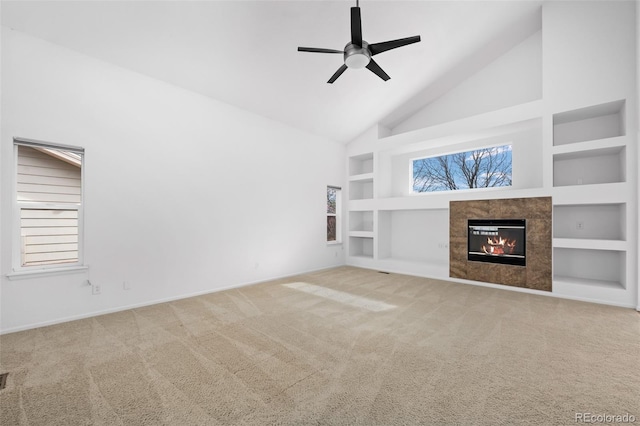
{"x": 244, "y": 53}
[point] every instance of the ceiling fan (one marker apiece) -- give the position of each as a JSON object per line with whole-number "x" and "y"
{"x": 358, "y": 53}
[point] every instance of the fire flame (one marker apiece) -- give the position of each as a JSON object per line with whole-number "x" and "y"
{"x": 498, "y": 246}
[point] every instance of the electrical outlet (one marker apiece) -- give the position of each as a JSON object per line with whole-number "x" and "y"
{"x": 580, "y": 225}
{"x": 96, "y": 289}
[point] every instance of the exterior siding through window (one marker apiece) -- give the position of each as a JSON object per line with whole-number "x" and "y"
{"x": 49, "y": 195}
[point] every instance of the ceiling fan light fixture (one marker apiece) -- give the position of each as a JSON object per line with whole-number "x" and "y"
{"x": 357, "y": 60}
{"x": 356, "y": 57}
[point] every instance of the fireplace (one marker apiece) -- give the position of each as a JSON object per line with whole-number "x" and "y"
{"x": 497, "y": 241}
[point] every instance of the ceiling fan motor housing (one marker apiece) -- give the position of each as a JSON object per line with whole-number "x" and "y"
{"x": 356, "y": 56}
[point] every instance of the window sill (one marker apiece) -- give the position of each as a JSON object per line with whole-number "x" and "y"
{"x": 334, "y": 243}
{"x": 24, "y": 274}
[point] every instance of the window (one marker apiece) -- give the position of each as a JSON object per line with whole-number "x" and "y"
{"x": 333, "y": 214}
{"x": 48, "y": 212}
{"x": 481, "y": 168}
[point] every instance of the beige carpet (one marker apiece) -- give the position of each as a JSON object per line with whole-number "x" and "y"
{"x": 437, "y": 353}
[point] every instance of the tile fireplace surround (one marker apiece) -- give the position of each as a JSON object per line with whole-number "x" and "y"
{"x": 536, "y": 211}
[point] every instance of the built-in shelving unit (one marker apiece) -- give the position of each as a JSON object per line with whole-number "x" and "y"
{"x": 361, "y": 177}
{"x": 575, "y": 142}
{"x": 361, "y": 221}
{"x": 591, "y": 202}
{"x": 588, "y": 145}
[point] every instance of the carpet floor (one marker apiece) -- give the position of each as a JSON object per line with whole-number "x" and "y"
{"x": 344, "y": 346}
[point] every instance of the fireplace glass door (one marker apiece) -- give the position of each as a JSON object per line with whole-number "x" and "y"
{"x": 497, "y": 241}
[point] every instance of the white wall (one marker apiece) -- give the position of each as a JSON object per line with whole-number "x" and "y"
{"x": 513, "y": 78}
{"x": 587, "y": 52}
{"x": 183, "y": 194}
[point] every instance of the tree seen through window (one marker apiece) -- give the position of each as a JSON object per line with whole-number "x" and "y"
{"x": 481, "y": 168}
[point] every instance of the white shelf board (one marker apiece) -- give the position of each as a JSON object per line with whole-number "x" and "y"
{"x": 364, "y": 177}
{"x": 367, "y": 204}
{"x": 602, "y": 193}
{"x": 597, "y": 291}
{"x": 361, "y": 234}
{"x": 575, "y": 150}
{"x": 440, "y": 200}
{"x": 573, "y": 281}
{"x": 590, "y": 244}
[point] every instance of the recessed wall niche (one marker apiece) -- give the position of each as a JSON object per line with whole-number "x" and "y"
{"x": 537, "y": 274}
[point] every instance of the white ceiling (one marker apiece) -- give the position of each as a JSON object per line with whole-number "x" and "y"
{"x": 245, "y": 52}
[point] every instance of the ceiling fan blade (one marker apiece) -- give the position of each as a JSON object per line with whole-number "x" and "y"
{"x": 392, "y": 44}
{"x": 337, "y": 74}
{"x": 375, "y": 68}
{"x": 318, "y": 50}
{"x": 356, "y": 27}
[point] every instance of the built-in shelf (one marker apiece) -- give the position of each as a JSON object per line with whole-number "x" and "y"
{"x": 420, "y": 236}
{"x": 590, "y": 222}
{"x": 610, "y": 292}
{"x": 590, "y": 264}
{"x": 589, "y": 123}
{"x": 361, "y": 246}
{"x": 587, "y": 167}
{"x": 361, "y": 164}
{"x": 361, "y": 190}
{"x": 361, "y": 221}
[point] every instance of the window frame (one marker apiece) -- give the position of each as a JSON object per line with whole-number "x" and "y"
{"x": 337, "y": 214}
{"x": 461, "y": 190}
{"x": 18, "y": 268}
